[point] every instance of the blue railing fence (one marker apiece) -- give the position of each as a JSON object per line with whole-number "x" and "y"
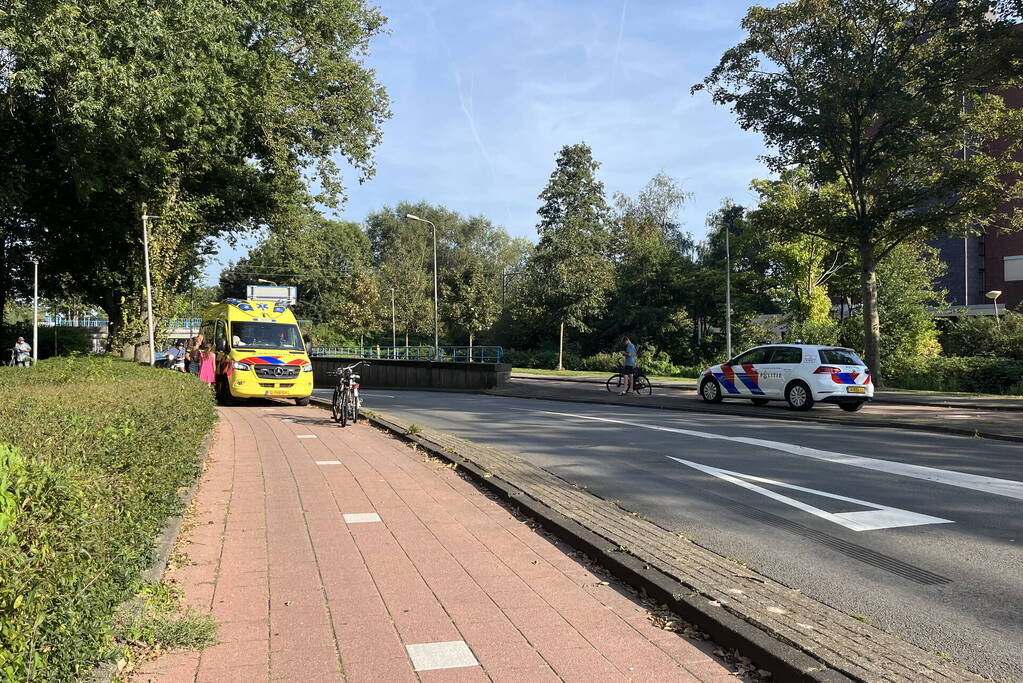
{"x": 91, "y": 321}
{"x": 460, "y": 354}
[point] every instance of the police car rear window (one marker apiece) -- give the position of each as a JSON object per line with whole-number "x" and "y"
{"x": 840, "y": 357}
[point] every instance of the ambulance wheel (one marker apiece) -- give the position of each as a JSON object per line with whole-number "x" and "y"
{"x": 760, "y": 401}
{"x": 302, "y": 401}
{"x": 851, "y": 406}
{"x": 799, "y": 396}
{"x": 224, "y": 396}
{"x": 710, "y": 390}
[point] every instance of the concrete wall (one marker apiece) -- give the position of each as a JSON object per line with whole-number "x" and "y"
{"x": 415, "y": 374}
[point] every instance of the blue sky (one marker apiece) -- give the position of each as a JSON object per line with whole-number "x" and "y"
{"x": 484, "y": 94}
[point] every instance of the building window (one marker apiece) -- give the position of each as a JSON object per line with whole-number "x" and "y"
{"x": 1013, "y": 268}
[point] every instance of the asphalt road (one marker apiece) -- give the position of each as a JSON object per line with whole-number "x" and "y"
{"x": 817, "y": 507}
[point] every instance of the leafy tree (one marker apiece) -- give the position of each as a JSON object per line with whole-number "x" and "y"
{"x": 328, "y": 261}
{"x": 985, "y": 336}
{"x": 569, "y": 272}
{"x": 403, "y": 252}
{"x": 751, "y": 287}
{"x": 16, "y": 270}
{"x": 789, "y": 213}
{"x": 871, "y": 93}
{"x": 906, "y": 290}
{"x": 471, "y": 299}
{"x": 191, "y": 302}
{"x": 652, "y": 255}
{"x": 215, "y": 114}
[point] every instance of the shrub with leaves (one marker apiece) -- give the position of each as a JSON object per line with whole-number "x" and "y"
{"x": 979, "y": 375}
{"x": 93, "y": 454}
{"x": 985, "y": 336}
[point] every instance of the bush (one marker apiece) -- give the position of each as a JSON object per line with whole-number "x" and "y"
{"x": 985, "y": 336}
{"x": 93, "y": 452}
{"x": 601, "y": 362}
{"x": 975, "y": 375}
{"x": 541, "y": 359}
{"x": 53, "y": 341}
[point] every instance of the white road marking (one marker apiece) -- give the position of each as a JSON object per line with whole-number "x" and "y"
{"x": 328, "y": 462}
{"x": 287, "y": 419}
{"x": 881, "y": 517}
{"x": 306, "y": 436}
{"x": 999, "y": 487}
{"x": 361, "y": 517}
{"x": 451, "y": 655}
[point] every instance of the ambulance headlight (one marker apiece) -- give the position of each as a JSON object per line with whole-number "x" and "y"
{"x": 238, "y": 365}
{"x": 307, "y": 367}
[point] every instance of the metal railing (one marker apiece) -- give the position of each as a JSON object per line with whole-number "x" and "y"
{"x": 458, "y": 354}
{"x": 90, "y": 321}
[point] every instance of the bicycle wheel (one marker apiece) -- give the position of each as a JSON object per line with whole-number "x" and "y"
{"x": 356, "y": 404}
{"x": 641, "y": 385}
{"x": 344, "y": 408}
{"x": 614, "y": 382}
{"x": 335, "y": 406}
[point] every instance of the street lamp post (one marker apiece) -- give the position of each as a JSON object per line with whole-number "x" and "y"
{"x": 436, "y": 319}
{"x": 266, "y": 282}
{"x": 35, "y": 314}
{"x": 728, "y": 295}
{"x": 394, "y": 329}
{"x": 149, "y": 286}
{"x": 993, "y": 295}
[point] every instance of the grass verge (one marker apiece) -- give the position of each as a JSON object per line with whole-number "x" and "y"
{"x": 93, "y": 454}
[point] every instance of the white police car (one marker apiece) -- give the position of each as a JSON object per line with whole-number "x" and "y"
{"x": 800, "y": 374}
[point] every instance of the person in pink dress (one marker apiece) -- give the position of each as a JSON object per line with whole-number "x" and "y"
{"x": 206, "y": 361}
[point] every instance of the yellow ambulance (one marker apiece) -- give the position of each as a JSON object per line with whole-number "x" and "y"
{"x": 259, "y": 349}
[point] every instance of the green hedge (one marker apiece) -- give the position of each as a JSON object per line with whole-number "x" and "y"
{"x": 93, "y": 454}
{"x": 53, "y": 341}
{"x": 979, "y": 375}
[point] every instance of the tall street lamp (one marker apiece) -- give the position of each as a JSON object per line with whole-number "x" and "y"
{"x": 394, "y": 329}
{"x": 35, "y": 314}
{"x": 728, "y": 296}
{"x": 436, "y": 319}
{"x": 266, "y": 282}
{"x": 149, "y": 286}
{"x": 993, "y": 295}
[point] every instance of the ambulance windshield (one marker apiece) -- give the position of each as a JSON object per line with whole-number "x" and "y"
{"x": 266, "y": 336}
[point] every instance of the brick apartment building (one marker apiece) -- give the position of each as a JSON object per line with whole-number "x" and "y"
{"x": 992, "y": 261}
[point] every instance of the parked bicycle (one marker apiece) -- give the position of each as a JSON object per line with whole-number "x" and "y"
{"x": 346, "y": 402}
{"x": 640, "y": 384}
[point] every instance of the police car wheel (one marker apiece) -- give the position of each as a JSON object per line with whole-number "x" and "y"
{"x": 798, "y": 396}
{"x": 851, "y": 406}
{"x": 710, "y": 391}
{"x": 759, "y": 401}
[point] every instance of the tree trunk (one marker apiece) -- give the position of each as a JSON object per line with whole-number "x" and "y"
{"x": 561, "y": 345}
{"x": 871, "y": 321}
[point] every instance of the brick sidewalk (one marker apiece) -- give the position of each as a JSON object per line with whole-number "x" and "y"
{"x": 332, "y": 554}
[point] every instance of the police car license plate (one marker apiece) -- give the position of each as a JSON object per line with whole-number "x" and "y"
{"x": 857, "y": 390}
{"x": 278, "y": 392}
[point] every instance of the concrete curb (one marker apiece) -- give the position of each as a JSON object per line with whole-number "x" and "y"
{"x": 785, "y": 661}
{"x": 790, "y": 416}
{"x": 164, "y": 545}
